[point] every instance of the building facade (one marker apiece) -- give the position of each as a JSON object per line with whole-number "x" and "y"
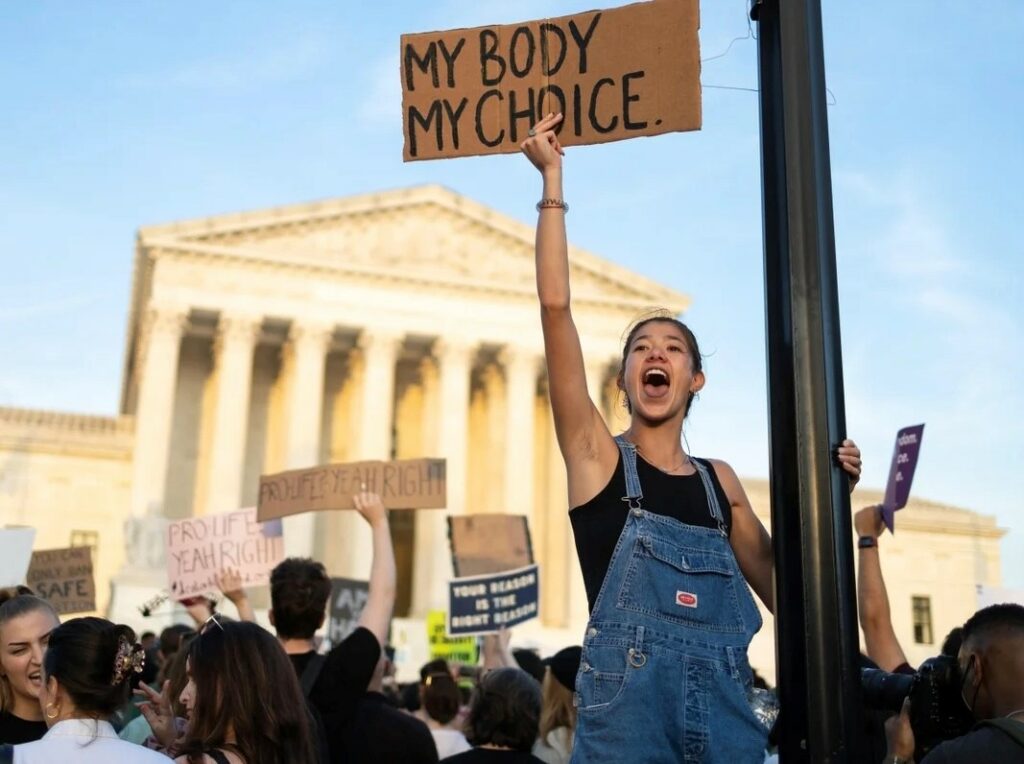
{"x": 393, "y": 325}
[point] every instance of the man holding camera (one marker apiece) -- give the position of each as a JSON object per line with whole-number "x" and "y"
{"x": 991, "y": 663}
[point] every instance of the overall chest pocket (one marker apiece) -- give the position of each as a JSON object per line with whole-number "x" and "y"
{"x": 692, "y": 586}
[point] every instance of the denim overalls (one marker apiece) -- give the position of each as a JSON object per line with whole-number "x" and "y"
{"x": 664, "y": 675}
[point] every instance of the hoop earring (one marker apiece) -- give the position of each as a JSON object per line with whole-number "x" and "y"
{"x": 56, "y": 711}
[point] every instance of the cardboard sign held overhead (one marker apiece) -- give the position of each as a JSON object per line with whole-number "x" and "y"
{"x": 64, "y": 578}
{"x": 15, "y": 553}
{"x": 404, "y": 484}
{"x": 483, "y": 544}
{"x": 613, "y": 74}
{"x": 199, "y": 548}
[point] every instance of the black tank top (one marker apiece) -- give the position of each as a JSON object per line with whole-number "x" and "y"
{"x": 597, "y": 525}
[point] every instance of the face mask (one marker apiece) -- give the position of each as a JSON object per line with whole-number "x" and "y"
{"x": 963, "y": 684}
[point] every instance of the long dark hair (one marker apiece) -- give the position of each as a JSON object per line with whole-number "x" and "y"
{"x": 83, "y": 655}
{"x": 246, "y": 684}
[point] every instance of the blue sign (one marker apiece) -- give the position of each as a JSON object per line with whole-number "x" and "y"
{"x": 485, "y": 604}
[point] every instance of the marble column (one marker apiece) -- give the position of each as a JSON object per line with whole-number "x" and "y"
{"x": 521, "y": 369}
{"x": 451, "y": 402}
{"x": 233, "y": 350}
{"x": 379, "y": 351}
{"x": 430, "y": 524}
{"x": 305, "y": 356}
{"x": 489, "y": 484}
{"x": 158, "y": 349}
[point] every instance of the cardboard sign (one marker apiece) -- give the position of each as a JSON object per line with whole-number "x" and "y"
{"x": 64, "y": 578}
{"x": 901, "y": 473}
{"x": 464, "y": 650}
{"x": 483, "y": 544}
{"x": 15, "y": 553}
{"x": 403, "y": 484}
{"x": 348, "y": 598}
{"x": 613, "y": 74}
{"x": 199, "y": 548}
{"x": 484, "y": 604}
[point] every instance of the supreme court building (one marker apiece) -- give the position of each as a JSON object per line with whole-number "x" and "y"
{"x": 394, "y": 325}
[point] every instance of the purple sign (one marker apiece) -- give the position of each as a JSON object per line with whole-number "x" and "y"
{"x": 901, "y": 472}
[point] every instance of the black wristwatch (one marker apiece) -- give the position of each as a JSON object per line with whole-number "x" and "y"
{"x": 867, "y": 542}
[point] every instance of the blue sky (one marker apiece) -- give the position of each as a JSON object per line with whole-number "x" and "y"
{"x": 121, "y": 114}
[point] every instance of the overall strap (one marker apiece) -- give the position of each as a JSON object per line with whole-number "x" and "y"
{"x": 633, "y": 493}
{"x": 709, "y": 488}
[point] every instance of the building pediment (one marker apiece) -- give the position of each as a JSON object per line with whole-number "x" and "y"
{"x": 426, "y": 234}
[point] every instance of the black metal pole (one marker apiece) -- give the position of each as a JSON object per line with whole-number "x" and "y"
{"x": 816, "y": 618}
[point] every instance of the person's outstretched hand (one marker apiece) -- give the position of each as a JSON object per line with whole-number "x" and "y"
{"x": 370, "y": 506}
{"x": 158, "y": 712}
{"x": 543, "y": 148}
{"x": 868, "y": 521}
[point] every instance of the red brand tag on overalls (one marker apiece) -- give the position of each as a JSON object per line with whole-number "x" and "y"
{"x": 686, "y": 599}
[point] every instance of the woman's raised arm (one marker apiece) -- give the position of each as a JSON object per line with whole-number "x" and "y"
{"x": 577, "y": 421}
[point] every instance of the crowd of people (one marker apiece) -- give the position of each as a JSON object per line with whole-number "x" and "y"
{"x": 672, "y": 556}
{"x": 225, "y": 690}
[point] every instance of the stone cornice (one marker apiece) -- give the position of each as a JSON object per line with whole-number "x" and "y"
{"x": 37, "y": 430}
{"x": 198, "y": 251}
{"x": 197, "y": 235}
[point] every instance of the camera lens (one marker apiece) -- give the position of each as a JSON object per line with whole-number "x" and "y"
{"x": 885, "y": 691}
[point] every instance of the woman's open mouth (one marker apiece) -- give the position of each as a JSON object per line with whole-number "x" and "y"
{"x": 656, "y": 383}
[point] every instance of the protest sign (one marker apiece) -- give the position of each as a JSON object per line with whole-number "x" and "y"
{"x": 484, "y": 604}
{"x": 64, "y": 578}
{"x": 464, "y": 650}
{"x": 490, "y": 543}
{"x": 613, "y": 74}
{"x": 199, "y": 548}
{"x": 348, "y": 598}
{"x": 901, "y": 472}
{"x": 15, "y": 553}
{"x": 403, "y": 484}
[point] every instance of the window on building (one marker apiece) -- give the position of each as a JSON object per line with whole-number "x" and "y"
{"x": 923, "y": 620}
{"x": 85, "y": 538}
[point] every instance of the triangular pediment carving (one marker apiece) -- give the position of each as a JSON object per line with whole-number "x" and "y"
{"x": 428, "y": 233}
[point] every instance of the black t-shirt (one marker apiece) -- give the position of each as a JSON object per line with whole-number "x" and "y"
{"x": 378, "y": 732}
{"x": 493, "y": 756}
{"x": 598, "y": 524}
{"x": 15, "y": 730}
{"x": 983, "y": 744}
{"x": 342, "y": 681}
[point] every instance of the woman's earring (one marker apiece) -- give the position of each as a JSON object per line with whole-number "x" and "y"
{"x": 56, "y": 711}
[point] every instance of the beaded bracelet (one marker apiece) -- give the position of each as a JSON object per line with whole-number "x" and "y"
{"x": 545, "y": 204}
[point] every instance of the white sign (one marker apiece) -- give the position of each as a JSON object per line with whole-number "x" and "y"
{"x": 15, "y": 554}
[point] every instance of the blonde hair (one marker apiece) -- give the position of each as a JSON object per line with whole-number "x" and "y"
{"x": 556, "y": 707}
